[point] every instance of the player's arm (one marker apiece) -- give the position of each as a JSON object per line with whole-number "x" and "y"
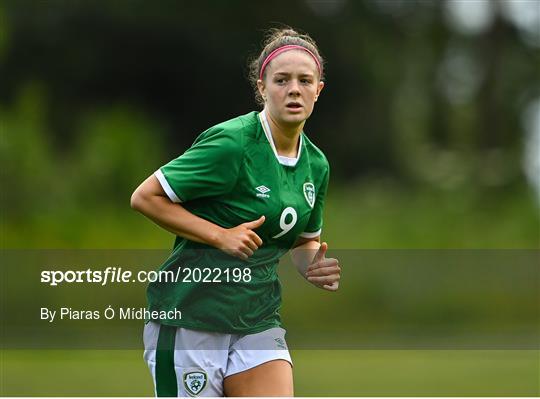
{"x": 151, "y": 200}
{"x": 308, "y": 255}
{"x": 303, "y": 252}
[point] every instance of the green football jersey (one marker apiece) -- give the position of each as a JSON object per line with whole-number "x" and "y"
{"x": 232, "y": 174}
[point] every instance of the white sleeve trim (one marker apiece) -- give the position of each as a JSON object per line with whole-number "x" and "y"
{"x": 311, "y": 235}
{"x": 166, "y": 186}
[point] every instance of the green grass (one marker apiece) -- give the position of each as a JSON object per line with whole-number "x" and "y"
{"x": 317, "y": 373}
{"x": 417, "y": 373}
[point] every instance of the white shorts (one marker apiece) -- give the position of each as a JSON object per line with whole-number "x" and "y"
{"x": 180, "y": 367}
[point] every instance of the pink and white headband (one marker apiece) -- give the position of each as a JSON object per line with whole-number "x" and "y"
{"x": 282, "y": 49}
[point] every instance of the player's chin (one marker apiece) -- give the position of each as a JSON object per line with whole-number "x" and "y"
{"x": 295, "y": 118}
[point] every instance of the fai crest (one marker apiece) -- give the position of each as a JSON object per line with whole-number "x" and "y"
{"x": 195, "y": 382}
{"x": 309, "y": 193}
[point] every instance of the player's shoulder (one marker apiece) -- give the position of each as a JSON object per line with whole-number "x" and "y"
{"x": 235, "y": 127}
{"x": 231, "y": 135}
{"x": 316, "y": 155}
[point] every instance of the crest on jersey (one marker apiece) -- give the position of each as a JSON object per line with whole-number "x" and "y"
{"x": 195, "y": 382}
{"x": 309, "y": 193}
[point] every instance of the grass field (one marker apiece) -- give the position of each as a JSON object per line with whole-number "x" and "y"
{"x": 317, "y": 373}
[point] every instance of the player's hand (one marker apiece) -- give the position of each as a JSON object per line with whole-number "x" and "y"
{"x": 241, "y": 241}
{"x": 324, "y": 272}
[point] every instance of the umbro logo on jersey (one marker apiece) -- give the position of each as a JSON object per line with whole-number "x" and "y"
{"x": 262, "y": 191}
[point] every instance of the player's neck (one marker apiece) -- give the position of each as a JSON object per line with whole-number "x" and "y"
{"x": 286, "y": 138}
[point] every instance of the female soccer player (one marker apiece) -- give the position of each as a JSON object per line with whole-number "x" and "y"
{"x": 247, "y": 191}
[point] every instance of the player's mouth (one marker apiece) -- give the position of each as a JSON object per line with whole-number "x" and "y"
{"x": 294, "y": 106}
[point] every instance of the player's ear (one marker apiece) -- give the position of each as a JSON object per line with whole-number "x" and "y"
{"x": 262, "y": 89}
{"x": 320, "y": 87}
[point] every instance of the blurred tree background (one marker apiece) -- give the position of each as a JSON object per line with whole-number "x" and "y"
{"x": 430, "y": 115}
{"x": 430, "y": 119}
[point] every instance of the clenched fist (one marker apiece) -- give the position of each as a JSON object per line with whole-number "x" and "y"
{"x": 241, "y": 241}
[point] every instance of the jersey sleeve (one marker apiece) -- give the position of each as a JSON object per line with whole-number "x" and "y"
{"x": 209, "y": 168}
{"x": 314, "y": 226}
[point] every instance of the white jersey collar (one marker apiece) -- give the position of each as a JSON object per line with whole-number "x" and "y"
{"x": 287, "y": 161}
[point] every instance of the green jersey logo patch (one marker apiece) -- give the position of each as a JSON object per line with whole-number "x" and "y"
{"x": 195, "y": 382}
{"x": 309, "y": 193}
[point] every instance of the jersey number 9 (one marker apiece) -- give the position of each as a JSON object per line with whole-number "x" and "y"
{"x": 286, "y": 227}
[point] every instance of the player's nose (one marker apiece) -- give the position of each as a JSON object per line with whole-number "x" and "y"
{"x": 294, "y": 87}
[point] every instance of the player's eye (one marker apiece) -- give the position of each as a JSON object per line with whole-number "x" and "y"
{"x": 280, "y": 81}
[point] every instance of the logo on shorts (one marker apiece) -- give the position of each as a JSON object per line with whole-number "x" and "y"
{"x": 195, "y": 382}
{"x": 309, "y": 193}
{"x": 280, "y": 343}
